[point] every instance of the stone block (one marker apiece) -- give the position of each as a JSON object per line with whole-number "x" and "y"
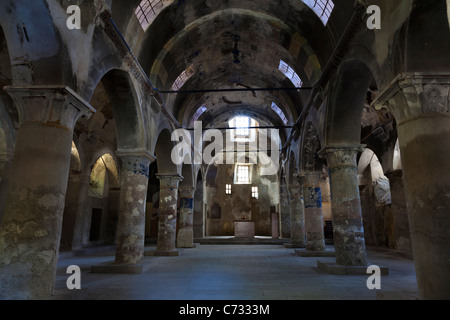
{"x": 244, "y": 229}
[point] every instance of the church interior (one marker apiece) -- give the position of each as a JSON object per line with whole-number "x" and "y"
{"x": 235, "y": 149}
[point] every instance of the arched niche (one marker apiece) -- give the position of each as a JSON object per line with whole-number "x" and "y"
{"x": 104, "y": 200}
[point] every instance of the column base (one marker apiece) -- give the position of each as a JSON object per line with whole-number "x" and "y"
{"x": 192, "y": 246}
{"x": 335, "y": 269}
{"x": 315, "y": 254}
{"x": 123, "y": 268}
{"x": 162, "y": 253}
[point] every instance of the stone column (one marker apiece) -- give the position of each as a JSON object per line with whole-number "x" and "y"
{"x": 31, "y": 227}
{"x": 285, "y": 217}
{"x": 297, "y": 210}
{"x": 5, "y": 166}
{"x": 82, "y": 212}
{"x": 315, "y": 239}
{"x": 70, "y": 211}
{"x": 185, "y": 237}
{"x": 348, "y": 230}
{"x": 134, "y": 177}
{"x": 168, "y": 203}
{"x": 421, "y": 106}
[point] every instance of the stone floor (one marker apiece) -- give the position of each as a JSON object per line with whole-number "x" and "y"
{"x": 235, "y": 272}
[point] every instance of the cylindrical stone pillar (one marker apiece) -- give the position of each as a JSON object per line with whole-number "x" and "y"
{"x": 420, "y": 104}
{"x": 185, "y": 236}
{"x": 315, "y": 239}
{"x": 285, "y": 216}
{"x": 31, "y": 226}
{"x": 134, "y": 177}
{"x": 70, "y": 211}
{"x": 82, "y": 212}
{"x": 348, "y": 230}
{"x": 297, "y": 210}
{"x": 5, "y": 166}
{"x": 168, "y": 203}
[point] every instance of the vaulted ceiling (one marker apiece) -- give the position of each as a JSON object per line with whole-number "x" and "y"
{"x": 234, "y": 44}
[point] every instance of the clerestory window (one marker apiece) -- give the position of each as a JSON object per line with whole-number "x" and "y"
{"x": 280, "y": 113}
{"x": 148, "y": 10}
{"x": 183, "y": 78}
{"x": 290, "y": 74}
{"x": 322, "y": 8}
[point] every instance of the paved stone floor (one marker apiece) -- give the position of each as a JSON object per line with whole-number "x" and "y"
{"x": 235, "y": 272}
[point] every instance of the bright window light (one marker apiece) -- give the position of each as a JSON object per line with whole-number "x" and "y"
{"x": 228, "y": 189}
{"x": 290, "y": 74}
{"x": 148, "y": 10}
{"x": 242, "y": 126}
{"x": 255, "y": 193}
{"x": 280, "y": 113}
{"x": 322, "y": 8}
{"x": 243, "y": 174}
{"x": 241, "y": 129}
{"x": 183, "y": 78}
{"x": 199, "y": 113}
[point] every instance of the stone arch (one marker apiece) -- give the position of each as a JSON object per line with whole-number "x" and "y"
{"x": 163, "y": 152}
{"x": 117, "y": 90}
{"x": 345, "y": 103}
{"x": 104, "y": 199}
{"x": 75, "y": 159}
{"x": 104, "y": 168}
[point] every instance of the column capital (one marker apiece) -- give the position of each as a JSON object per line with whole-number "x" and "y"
{"x": 169, "y": 180}
{"x": 54, "y": 105}
{"x": 137, "y": 161}
{"x": 311, "y": 178}
{"x": 341, "y": 156}
{"x": 186, "y": 191}
{"x": 412, "y": 95}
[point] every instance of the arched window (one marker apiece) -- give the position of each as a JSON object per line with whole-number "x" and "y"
{"x": 280, "y": 113}
{"x": 322, "y": 8}
{"x": 198, "y": 114}
{"x": 148, "y": 10}
{"x": 183, "y": 78}
{"x": 290, "y": 74}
